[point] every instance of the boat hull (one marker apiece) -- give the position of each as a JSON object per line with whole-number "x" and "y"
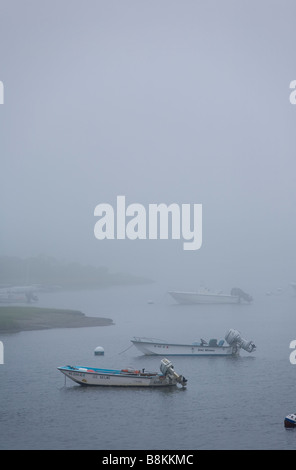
{"x": 290, "y": 421}
{"x": 117, "y": 378}
{"x": 150, "y": 348}
{"x": 189, "y": 298}
{"x": 12, "y": 299}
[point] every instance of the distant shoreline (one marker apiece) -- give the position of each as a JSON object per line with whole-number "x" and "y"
{"x": 14, "y": 319}
{"x": 47, "y": 272}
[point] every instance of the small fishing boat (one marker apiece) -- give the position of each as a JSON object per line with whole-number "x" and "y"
{"x": 125, "y": 377}
{"x": 290, "y": 421}
{"x": 204, "y": 296}
{"x": 233, "y": 338}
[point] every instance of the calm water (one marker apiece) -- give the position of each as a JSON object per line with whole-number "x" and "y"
{"x": 230, "y": 403}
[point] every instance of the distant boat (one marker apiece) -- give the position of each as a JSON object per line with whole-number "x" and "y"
{"x": 12, "y": 298}
{"x": 154, "y": 347}
{"x": 125, "y": 377}
{"x": 290, "y": 421}
{"x": 205, "y": 296}
{"x": 17, "y": 294}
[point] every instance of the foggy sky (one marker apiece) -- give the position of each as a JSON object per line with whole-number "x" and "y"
{"x": 163, "y": 102}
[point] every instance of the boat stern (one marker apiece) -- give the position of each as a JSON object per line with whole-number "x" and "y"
{"x": 290, "y": 421}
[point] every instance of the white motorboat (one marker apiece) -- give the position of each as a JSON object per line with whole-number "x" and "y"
{"x": 204, "y": 296}
{"x": 12, "y": 298}
{"x": 17, "y": 294}
{"x": 233, "y": 339}
{"x": 290, "y": 421}
{"x": 125, "y": 377}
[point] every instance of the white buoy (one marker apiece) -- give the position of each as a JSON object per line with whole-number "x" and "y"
{"x": 99, "y": 351}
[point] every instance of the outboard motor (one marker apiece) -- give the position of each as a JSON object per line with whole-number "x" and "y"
{"x": 241, "y": 294}
{"x": 31, "y": 296}
{"x": 167, "y": 369}
{"x": 234, "y": 339}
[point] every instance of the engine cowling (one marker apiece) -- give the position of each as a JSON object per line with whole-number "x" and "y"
{"x": 167, "y": 368}
{"x": 234, "y": 339}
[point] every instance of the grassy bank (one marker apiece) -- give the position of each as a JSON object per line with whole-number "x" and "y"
{"x": 15, "y": 318}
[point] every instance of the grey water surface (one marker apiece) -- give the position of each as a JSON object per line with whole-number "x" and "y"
{"x": 230, "y": 403}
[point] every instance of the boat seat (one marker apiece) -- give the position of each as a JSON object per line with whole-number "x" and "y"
{"x": 213, "y": 343}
